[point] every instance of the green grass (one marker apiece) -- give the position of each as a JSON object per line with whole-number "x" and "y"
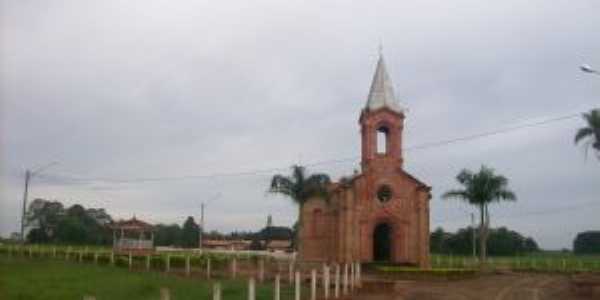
{"x": 539, "y": 262}
{"x": 22, "y": 279}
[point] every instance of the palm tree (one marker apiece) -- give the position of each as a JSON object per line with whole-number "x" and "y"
{"x": 591, "y": 132}
{"x": 300, "y": 187}
{"x": 480, "y": 190}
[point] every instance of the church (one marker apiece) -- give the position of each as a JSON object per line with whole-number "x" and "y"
{"x": 380, "y": 213}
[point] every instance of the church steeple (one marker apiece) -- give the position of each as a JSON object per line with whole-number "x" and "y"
{"x": 381, "y": 93}
{"x": 382, "y": 122}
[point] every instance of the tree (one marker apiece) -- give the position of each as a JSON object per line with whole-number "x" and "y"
{"x": 167, "y": 235}
{"x": 300, "y": 188}
{"x": 437, "y": 241}
{"x": 590, "y": 133}
{"x": 480, "y": 190}
{"x": 587, "y": 242}
{"x": 190, "y": 233}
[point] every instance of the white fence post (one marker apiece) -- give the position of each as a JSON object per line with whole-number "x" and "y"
{"x": 234, "y": 267}
{"x": 277, "y": 295}
{"x": 326, "y": 282}
{"x": 261, "y": 270}
{"x": 217, "y": 291}
{"x": 148, "y": 258}
{"x": 251, "y": 289}
{"x": 130, "y": 261}
{"x": 359, "y": 272}
{"x": 313, "y": 284}
{"x": 345, "y": 287}
{"x": 168, "y": 264}
{"x": 291, "y": 271}
{"x": 208, "y": 268}
{"x": 165, "y": 294}
{"x": 95, "y": 258}
{"x": 297, "y": 290}
{"x": 187, "y": 265}
{"x": 352, "y": 276}
{"x": 336, "y": 291}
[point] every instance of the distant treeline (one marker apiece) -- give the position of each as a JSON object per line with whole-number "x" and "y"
{"x": 53, "y": 223}
{"x": 501, "y": 242}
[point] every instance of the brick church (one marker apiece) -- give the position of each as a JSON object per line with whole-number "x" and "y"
{"x": 381, "y": 213}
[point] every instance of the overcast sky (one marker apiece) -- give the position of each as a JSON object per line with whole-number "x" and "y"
{"x": 122, "y": 90}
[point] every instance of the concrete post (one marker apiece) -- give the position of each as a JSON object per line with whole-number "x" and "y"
{"x": 208, "y": 268}
{"x": 95, "y": 258}
{"x": 277, "y": 292}
{"x": 165, "y": 294}
{"x": 313, "y": 284}
{"x": 297, "y": 285}
{"x": 217, "y": 291}
{"x": 326, "y": 281}
{"x": 261, "y": 270}
{"x": 187, "y": 265}
{"x": 112, "y": 258}
{"x": 251, "y": 289}
{"x": 168, "y": 264}
{"x": 336, "y": 291}
{"x": 148, "y": 258}
{"x": 345, "y": 287}
{"x": 80, "y": 256}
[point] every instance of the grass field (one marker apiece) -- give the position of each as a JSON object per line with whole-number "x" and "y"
{"x": 542, "y": 262}
{"x": 47, "y": 279}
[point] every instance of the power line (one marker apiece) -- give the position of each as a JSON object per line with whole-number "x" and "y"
{"x": 268, "y": 171}
{"x": 533, "y": 213}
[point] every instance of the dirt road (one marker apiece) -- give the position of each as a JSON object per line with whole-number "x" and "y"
{"x": 489, "y": 287}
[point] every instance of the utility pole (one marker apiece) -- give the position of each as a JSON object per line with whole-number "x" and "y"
{"x": 201, "y": 225}
{"x": 27, "y": 177}
{"x": 473, "y": 235}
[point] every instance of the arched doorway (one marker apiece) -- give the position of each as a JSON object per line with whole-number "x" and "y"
{"x": 382, "y": 242}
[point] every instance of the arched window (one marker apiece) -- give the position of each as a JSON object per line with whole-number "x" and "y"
{"x": 382, "y": 140}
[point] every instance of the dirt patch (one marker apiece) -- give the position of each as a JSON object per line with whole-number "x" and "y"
{"x": 486, "y": 287}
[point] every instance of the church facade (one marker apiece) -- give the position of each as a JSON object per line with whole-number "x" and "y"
{"x": 381, "y": 213}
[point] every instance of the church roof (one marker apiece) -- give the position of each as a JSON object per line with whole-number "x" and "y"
{"x": 382, "y": 90}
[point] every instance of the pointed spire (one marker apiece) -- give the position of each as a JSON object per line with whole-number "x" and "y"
{"x": 382, "y": 90}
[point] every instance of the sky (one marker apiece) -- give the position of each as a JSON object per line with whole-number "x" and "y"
{"x": 152, "y": 107}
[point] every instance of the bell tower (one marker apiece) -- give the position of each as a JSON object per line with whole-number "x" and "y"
{"x": 381, "y": 122}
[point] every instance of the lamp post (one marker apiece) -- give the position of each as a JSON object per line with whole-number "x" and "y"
{"x": 28, "y": 175}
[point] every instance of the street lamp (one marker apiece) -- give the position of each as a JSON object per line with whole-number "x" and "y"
{"x": 588, "y": 69}
{"x": 28, "y": 175}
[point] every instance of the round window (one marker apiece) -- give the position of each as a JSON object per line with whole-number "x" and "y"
{"x": 384, "y": 194}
